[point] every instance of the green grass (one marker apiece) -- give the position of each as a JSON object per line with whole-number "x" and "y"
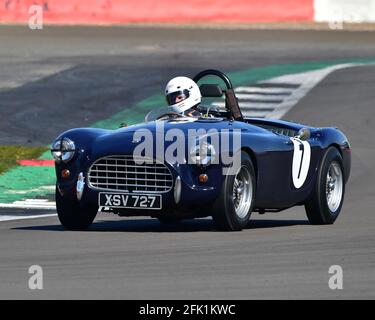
{"x": 9, "y": 155}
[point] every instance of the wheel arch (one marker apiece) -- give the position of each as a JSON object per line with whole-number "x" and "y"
{"x": 346, "y": 160}
{"x": 251, "y": 153}
{"x": 337, "y": 146}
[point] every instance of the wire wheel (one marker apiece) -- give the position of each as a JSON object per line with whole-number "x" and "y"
{"x": 242, "y": 192}
{"x": 334, "y": 186}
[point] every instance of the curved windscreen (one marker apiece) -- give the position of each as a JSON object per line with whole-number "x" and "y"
{"x": 156, "y": 113}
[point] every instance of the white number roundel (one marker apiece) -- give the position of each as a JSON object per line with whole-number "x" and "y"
{"x": 301, "y": 162}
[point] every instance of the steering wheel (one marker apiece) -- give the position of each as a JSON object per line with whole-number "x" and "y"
{"x": 170, "y": 114}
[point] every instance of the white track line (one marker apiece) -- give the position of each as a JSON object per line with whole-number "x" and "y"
{"x": 26, "y": 206}
{"x": 257, "y": 106}
{"x": 289, "y": 97}
{"x": 245, "y": 96}
{"x": 11, "y": 218}
{"x": 307, "y": 81}
{"x": 35, "y": 204}
{"x": 253, "y": 89}
{"x": 249, "y": 105}
{"x": 42, "y": 204}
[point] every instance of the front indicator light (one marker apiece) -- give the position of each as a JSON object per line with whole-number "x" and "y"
{"x": 203, "y": 178}
{"x": 65, "y": 173}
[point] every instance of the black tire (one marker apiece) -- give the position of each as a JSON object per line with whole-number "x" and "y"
{"x": 72, "y": 216}
{"x": 224, "y": 212}
{"x": 317, "y": 208}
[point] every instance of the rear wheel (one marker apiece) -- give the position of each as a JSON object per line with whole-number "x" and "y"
{"x": 326, "y": 202}
{"x": 72, "y": 215}
{"x": 232, "y": 210}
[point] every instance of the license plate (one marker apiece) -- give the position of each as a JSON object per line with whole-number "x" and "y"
{"x": 129, "y": 200}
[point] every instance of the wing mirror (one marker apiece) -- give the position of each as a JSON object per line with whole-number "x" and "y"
{"x": 303, "y": 134}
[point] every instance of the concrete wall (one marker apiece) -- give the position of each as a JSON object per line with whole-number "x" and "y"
{"x": 177, "y": 11}
{"x": 354, "y": 11}
{"x": 188, "y": 11}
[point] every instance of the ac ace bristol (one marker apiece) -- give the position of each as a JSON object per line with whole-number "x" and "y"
{"x": 229, "y": 168}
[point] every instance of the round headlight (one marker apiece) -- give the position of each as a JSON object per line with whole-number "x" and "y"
{"x": 203, "y": 154}
{"x": 63, "y": 150}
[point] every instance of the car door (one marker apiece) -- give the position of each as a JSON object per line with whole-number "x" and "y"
{"x": 301, "y": 168}
{"x": 286, "y": 170}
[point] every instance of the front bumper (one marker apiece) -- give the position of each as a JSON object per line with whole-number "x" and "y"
{"x": 193, "y": 194}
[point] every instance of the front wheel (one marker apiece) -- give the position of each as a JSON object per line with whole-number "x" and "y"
{"x": 326, "y": 202}
{"x": 72, "y": 215}
{"x": 232, "y": 210}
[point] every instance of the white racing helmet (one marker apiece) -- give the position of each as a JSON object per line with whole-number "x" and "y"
{"x": 182, "y": 93}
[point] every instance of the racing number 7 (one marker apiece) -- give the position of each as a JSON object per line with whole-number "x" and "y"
{"x": 301, "y": 162}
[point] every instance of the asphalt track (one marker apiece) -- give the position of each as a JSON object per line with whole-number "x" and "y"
{"x": 101, "y": 71}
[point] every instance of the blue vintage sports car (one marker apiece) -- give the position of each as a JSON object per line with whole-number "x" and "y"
{"x": 219, "y": 164}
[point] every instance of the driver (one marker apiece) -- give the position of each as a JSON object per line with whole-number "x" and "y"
{"x": 183, "y": 96}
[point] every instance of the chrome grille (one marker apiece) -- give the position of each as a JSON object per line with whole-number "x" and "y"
{"x": 122, "y": 173}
